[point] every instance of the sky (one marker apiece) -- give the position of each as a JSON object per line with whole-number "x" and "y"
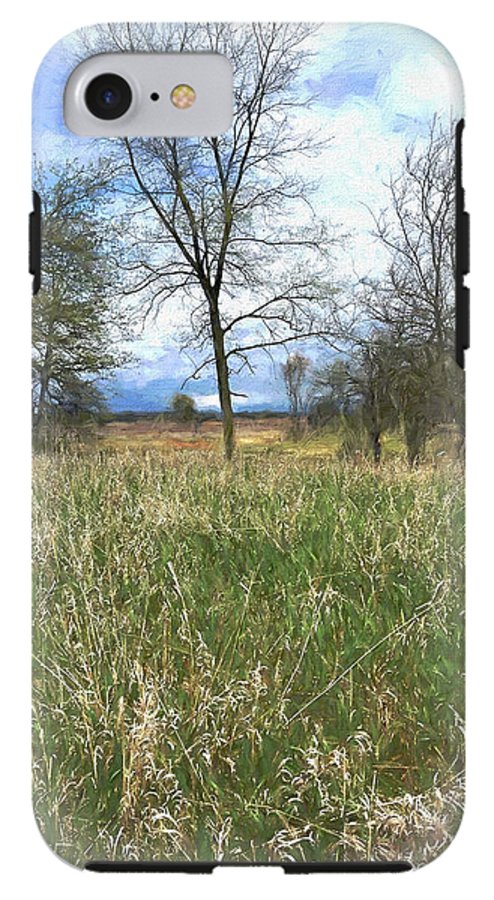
{"x": 377, "y": 87}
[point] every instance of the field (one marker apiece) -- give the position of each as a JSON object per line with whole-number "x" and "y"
{"x": 252, "y": 661}
{"x": 253, "y": 434}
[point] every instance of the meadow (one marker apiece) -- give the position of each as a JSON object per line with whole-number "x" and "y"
{"x": 253, "y": 661}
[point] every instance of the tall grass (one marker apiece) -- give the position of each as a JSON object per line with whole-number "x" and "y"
{"x": 255, "y": 662}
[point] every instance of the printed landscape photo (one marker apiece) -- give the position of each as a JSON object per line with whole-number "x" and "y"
{"x": 248, "y": 442}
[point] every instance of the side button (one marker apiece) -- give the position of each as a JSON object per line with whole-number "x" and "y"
{"x": 465, "y": 243}
{"x": 35, "y": 242}
{"x": 465, "y": 317}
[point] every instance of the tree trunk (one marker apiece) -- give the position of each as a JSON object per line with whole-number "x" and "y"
{"x": 376, "y": 447}
{"x": 43, "y": 387}
{"x": 223, "y": 378}
{"x": 39, "y": 418}
{"x": 415, "y": 437}
{"x": 375, "y": 429}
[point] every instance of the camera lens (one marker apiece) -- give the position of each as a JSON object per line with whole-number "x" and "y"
{"x": 108, "y": 96}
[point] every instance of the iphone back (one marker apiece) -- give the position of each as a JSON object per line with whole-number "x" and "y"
{"x": 248, "y": 437}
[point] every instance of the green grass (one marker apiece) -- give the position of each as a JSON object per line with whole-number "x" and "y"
{"x": 187, "y": 617}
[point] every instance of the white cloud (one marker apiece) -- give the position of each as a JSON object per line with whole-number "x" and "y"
{"x": 422, "y": 84}
{"x": 206, "y": 401}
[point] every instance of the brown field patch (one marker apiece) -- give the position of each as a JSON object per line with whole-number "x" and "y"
{"x": 169, "y": 434}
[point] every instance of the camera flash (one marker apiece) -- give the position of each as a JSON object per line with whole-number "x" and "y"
{"x": 183, "y": 96}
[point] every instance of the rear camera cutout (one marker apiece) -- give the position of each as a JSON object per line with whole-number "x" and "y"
{"x": 108, "y": 96}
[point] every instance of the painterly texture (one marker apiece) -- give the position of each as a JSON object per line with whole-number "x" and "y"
{"x": 186, "y": 615}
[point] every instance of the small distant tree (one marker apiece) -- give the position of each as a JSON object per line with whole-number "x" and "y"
{"x": 185, "y": 410}
{"x": 295, "y": 371}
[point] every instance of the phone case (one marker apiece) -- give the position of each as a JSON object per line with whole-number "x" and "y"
{"x": 248, "y": 434}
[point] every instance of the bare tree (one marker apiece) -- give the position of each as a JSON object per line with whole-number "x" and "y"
{"x": 210, "y": 217}
{"x": 417, "y": 230}
{"x": 412, "y": 303}
{"x": 295, "y": 371}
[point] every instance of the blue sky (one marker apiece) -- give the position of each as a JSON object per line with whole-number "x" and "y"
{"x": 377, "y": 87}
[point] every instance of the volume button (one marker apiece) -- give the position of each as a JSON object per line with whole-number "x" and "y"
{"x": 35, "y": 242}
{"x": 465, "y": 241}
{"x": 465, "y": 318}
